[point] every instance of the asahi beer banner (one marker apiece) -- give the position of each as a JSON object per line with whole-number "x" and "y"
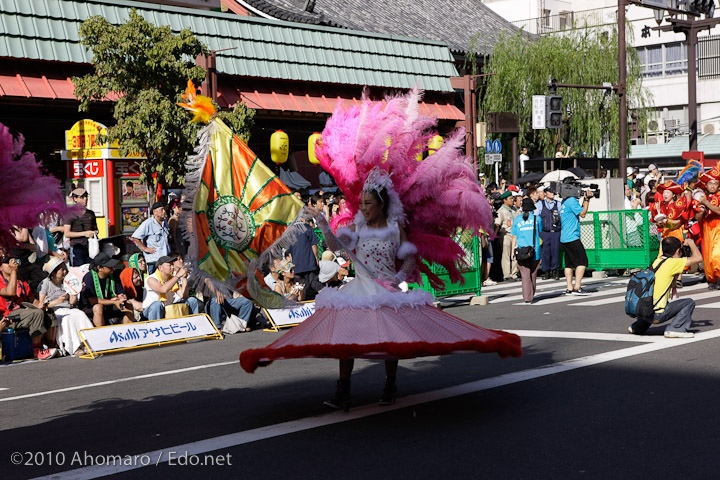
{"x": 142, "y": 334}
{"x": 286, "y": 317}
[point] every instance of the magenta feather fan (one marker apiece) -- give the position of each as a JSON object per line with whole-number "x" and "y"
{"x": 439, "y": 194}
{"x": 27, "y": 194}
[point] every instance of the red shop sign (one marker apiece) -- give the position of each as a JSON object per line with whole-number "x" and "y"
{"x": 87, "y": 168}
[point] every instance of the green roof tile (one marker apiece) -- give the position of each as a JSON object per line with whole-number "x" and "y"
{"x": 47, "y": 30}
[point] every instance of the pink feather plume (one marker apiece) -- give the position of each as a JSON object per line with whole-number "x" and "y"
{"x": 28, "y": 195}
{"x": 439, "y": 194}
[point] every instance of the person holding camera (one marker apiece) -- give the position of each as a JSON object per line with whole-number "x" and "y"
{"x": 103, "y": 297}
{"x": 526, "y": 247}
{"x": 166, "y": 286}
{"x": 286, "y": 286}
{"x": 576, "y": 260}
{"x": 673, "y": 260}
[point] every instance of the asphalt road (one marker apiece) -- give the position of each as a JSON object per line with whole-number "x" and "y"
{"x": 586, "y": 400}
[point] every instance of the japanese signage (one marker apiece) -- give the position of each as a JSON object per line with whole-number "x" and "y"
{"x": 87, "y": 169}
{"x": 146, "y": 334}
{"x": 131, "y": 168}
{"x": 289, "y": 317}
{"x": 83, "y": 135}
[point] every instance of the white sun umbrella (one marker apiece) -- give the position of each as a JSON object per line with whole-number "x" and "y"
{"x": 558, "y": 176}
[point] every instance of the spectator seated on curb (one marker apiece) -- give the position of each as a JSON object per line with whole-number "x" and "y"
{"x": 332, "y": 272}
{"x": 273, "y": 276}
{"x": 133, "y": 285}
{"x": 163, "y": 287}
{"x": 17, "y": 312}
{"x": 70, "y": 319}
{"x": 103, "y": 297}
{"x": 220, "y": 307}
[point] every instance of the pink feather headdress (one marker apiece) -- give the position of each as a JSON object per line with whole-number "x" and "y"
{"x": 28, "y": 196}
{"x": 439, "y": 194}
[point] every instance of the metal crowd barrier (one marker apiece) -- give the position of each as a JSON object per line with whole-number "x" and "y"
{"x": 618, "y": 239}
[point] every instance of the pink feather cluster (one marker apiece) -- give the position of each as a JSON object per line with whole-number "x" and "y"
{"x": 27, "y": 194}
{"x": 439, "y": 194}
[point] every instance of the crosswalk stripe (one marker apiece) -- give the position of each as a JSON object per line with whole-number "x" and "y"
{"x": 709, "y": 305}
{"x": 594, "y": 303}
{"x": 561, "y": 298}
{"x": 506, "y": 287}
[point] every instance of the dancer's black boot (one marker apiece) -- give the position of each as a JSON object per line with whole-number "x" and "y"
{"x": 342, "y": 397}
{"x": 389, "y": 393}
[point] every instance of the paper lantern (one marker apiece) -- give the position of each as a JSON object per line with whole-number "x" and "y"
{"x": 434, "y": 144}
{"x": 279, "y": 146}
{"x": 313, "y": 140}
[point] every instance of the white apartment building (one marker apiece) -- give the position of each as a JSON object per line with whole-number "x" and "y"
{"x": 662, "y": 54}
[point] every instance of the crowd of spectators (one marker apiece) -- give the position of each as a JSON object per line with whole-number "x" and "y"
{"x": 50, "y": 285}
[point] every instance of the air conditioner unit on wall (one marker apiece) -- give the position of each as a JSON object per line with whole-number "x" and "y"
{"x": 672, "y": 123}
{"x": 655, "y": 125}
{"x": 711, "y": 128}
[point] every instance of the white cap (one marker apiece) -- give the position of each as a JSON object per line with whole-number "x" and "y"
{"x": 652, "y": 167}
{"x": 541, "y": 188}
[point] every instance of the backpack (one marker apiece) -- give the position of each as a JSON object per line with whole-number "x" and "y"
{"x": 639, "y": 295}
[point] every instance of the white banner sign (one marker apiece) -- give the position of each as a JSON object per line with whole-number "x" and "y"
{"x": 287, "y": 317}
{"x": 155, "y": 332}
{"x": 538, "y": 112}
{"x": 493, "y": 158}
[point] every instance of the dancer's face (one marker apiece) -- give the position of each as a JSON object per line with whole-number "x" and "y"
{"x": 370, "y": 207}
{"x": 712, "y": 186}
{"x": 668, "y": 195}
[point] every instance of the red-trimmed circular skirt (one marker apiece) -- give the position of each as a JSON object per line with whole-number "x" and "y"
{"x": 382, "y": 333}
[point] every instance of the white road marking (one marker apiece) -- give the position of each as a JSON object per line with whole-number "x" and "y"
{"x": 709, "y": 305}
{"x": 569, "y": 298}
{"x": 119, "y": 380}
{"x": 607, "y": 337}
{"x": 594, "y": 303}
{"x": 303, "y": 424}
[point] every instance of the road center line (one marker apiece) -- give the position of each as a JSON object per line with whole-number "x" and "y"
{"x": 119, "y": 380}
{"x": 303, "y": 424}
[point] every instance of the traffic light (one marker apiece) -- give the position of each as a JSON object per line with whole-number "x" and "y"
{"x": 702, "y": 6}
{"x": 553, "y": 111}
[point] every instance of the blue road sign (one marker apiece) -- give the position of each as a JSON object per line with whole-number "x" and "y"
{"x": 488, "y": 146}
{"x": 497, "y": 146}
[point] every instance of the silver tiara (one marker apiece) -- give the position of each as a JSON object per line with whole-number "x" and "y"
{"x": 377, "y": 180}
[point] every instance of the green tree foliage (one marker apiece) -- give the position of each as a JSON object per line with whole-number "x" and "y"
{"x": 587, "y": 56}
{"x": 144, "y": 69}
{"x": 240, "y": 120}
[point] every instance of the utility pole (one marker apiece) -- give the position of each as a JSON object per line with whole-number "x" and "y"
{"x": 621, "y": 91}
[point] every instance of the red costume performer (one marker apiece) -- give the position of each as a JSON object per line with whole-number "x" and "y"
{"x": 708, "y": 215}
{"x": 672, "y": 214}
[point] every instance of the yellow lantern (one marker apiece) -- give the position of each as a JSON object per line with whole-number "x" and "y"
{"x": 434, "y": 144}
{"x": 313, "y": 140}
{"x": 279, "y": 146}
{"x": 419, "y": 155}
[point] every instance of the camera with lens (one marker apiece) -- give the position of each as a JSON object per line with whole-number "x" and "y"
{"x": 572, "y": 188}
{"x": 686, "y": 252}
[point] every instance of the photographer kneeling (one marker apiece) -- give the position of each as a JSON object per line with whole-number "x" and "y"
{"x": 668, "y": 266}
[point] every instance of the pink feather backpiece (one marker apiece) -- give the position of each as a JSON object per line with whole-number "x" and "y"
{"x": 439, "y": 194}
{"x": 27, "y": 194}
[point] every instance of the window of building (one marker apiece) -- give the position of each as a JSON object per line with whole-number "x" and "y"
{"x": 663, "y": 60}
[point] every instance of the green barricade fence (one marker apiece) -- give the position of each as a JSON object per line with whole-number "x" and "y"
{"x": 619, "y": 239}
{"x": 613, "y": 240}
{"x": 470, "y": 272}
